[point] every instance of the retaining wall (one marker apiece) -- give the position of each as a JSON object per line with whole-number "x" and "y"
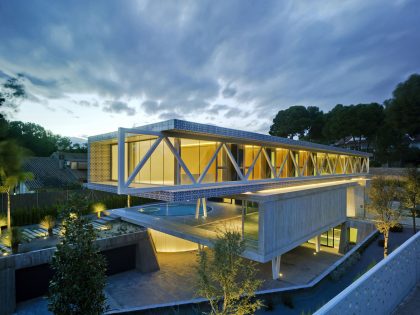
{"x": 383, "y": 287}
{"x": 27, "y": 275}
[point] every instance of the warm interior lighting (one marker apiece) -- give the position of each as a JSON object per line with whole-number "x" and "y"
{"x": 197, "y": 144}
{"x": 307, "y": 186}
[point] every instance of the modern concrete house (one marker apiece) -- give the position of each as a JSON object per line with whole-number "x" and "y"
{"x": 278, "y": 193}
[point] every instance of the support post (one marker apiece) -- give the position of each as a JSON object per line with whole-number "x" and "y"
{"x": 128, "y": 201}
{"x": 197, "y": 208}
{"x": 344, "y": 240}
{"x": 204, "y": 208}
{"x": 275, "y": 267}
{"x": 317, "y": 243}
{"x": 243, "y": 219}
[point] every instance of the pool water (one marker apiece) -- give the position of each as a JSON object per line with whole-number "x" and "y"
{"x": 172, "y": 209}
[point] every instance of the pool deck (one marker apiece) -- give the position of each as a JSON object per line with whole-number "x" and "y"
{"x": 222, "y": 217}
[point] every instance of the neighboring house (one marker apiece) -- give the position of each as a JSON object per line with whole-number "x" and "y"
{"x": 278, "y": 193}
{"x": 353, "y": 143}
{"x": 59, "y": 171}
{"x": 415, "y": 142}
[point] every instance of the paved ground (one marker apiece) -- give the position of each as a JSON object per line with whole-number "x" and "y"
{"x": 176, "y": 279}
{"x": 411, "y": 304}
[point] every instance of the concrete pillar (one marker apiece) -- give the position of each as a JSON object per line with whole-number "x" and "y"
{"x": 243, "y": 220}
{"x": 146, "y": 258}
{"x": 318, "y": 243}
{"x": 275, "y": 267}
{"x": 7, "y": 286}
{"x": 197, "y": 208}
{"x": 204, "y": 208}
{"x": 344, "y": 239}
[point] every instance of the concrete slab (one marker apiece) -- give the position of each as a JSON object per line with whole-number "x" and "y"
{"x": 176, "y": 279}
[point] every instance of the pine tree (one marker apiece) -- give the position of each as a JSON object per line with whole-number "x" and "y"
{"x": 78, "y": 283}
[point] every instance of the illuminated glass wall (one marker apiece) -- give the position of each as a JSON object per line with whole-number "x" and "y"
{"x": 162, "y": 167}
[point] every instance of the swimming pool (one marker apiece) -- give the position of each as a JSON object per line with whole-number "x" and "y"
{"x": 178, "y": 209}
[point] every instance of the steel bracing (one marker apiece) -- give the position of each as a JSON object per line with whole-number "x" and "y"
{"x": 325, "y": 164}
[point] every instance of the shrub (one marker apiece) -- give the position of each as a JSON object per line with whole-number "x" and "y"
{"x": 288, "y": 300}
{"x": 48, "y": 223}
{"x": 398, "y": 228}
{"x": 3, "y": 221}
{"x": 98, "y": 207}
{"x": 15, "y": 239}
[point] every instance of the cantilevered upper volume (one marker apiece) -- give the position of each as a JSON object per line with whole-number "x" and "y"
{"x": 178, "y": 160}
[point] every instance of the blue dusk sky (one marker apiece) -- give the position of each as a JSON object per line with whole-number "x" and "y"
{"x": 93, "y": 66}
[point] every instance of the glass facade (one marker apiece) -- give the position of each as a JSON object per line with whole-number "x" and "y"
{"x": 330, "y": 238}
{"x": 253, "y": 161}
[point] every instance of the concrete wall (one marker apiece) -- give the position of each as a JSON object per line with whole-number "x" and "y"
{"x": 146, "y": 261}
{"x": 356, "y": 201}
{"x": 293, "y": 218}
{"x": 383, "y": 287}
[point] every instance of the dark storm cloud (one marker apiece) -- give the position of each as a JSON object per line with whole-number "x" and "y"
{"x": 179, "y": 55}
{"x": 118, "y": 107}
{"x": 228, "y": 92}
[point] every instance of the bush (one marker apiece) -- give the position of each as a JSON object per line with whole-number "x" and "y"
{"x": 288, "y": 300}
{"x": 15, "y": 239}
{"x": 48, "y": 223}
{"x": 398, "y": 228}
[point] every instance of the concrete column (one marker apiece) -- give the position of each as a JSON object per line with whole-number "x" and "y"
{"x": 243, "y": 220}
{"x": 275, "y": 267}
{"x": 344, "y": 239}
{"x": 146, "y": 258}
{"x": 197, "y": 208}
{"x": 318, "y": 243}
{"x": 204, "y": 208}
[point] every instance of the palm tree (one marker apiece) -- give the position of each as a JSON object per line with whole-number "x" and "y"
{"x": 11, "y": 173}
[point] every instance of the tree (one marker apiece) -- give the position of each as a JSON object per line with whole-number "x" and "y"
{"x": 297, "y": 121}
{"x": 403, "y": 109}
{"x": 226, "y": 279}
{"x": 11, "y": 173}
{"x": 79, "y": 279}
{"x": 411, "y": 197}
{"x": 383, "y": 195}
{"x": 355, "y": 121}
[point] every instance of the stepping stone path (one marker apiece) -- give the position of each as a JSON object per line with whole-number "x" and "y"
{"x": 30, "y": 234}
{"x": 4, "y": 250}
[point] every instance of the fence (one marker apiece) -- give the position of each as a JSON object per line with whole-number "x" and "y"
{"x": 383, "y": 287}
{"x": 46, "y": 199}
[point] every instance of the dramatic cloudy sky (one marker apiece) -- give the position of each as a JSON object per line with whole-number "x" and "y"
{"x": 92, "y": 66}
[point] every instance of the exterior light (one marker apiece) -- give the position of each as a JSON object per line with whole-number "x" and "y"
{"x": 280, "y": 274}
{"x": 314, "y": 253}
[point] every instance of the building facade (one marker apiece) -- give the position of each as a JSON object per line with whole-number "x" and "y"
{"x": 279, "y": 193}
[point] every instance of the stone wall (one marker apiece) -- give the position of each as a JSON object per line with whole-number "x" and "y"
{"x": 383, "y": 287}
